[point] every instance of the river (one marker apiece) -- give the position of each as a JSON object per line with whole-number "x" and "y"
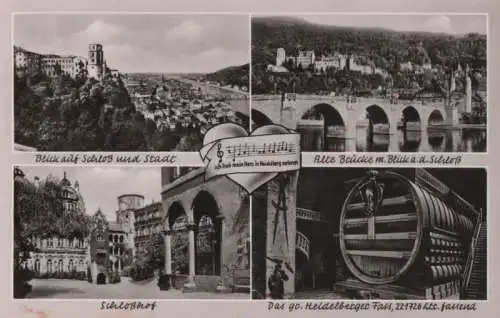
{"x": 411, "y": 141}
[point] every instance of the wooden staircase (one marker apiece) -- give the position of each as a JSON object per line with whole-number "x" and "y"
{"x": 475, "y": 283}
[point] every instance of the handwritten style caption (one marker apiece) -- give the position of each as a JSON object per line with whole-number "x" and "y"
{"x": 380, "y": 159}
{"x": 252, "y": 154}
{"x": 111, "y": 158}
{"x": 377, "y": 306}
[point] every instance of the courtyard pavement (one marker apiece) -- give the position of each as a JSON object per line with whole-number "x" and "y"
{"x": 126, "y": 289}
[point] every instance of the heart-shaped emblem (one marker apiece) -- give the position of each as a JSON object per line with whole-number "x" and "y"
{"x": 248, "y": 181}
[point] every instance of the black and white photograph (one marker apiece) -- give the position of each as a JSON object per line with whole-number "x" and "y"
{"x": 129, "y": 233}
{"x": 127, "y": 81}
{"x": 371, "y": 233}
{"x": 373, "y": 82}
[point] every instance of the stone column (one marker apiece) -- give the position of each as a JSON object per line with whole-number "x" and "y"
{"x": 222, "y": 220}
{"x": 168, "y": 251}
{"x": 190, "y": 285}
{"x": 281, "y": 228}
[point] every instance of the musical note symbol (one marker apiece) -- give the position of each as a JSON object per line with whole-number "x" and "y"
{"x": 220, "y": 153}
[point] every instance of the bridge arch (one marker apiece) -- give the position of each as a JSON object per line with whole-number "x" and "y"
{"x": 260, "y": 119}
{"x": 326, "y": 112}
{"x": 410, "y": 113}
{"x": 376, "y": 115}
{"x": 436, "y": 116}
{"x": 321, "y": 125}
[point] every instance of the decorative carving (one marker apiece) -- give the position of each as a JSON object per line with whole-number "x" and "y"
{"x": 191, "y": 226}
{"x": 280, "y": 205}
{"x": 372, "y": 193}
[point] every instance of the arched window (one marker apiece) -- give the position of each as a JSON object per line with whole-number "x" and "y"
{"x": 49, "y": 266}
{"x": 60, "y": 267}
{"x": 37, "y": 266}
{"x": 70, "y": 266}
{"x": 121, "y": 238}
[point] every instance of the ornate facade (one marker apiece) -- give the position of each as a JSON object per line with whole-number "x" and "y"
{"x": 58, "y": 256}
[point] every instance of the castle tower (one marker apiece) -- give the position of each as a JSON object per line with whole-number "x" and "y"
{"x": 96, "y": 61}
{"x": 280, "y": 56}
{"x": 127, "y": 205}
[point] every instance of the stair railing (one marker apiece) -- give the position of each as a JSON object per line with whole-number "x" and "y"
{"x": 470, "y": 258}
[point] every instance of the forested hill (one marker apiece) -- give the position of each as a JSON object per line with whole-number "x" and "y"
{"x": 386, "y": 48}
{"x": 233, "y": 75}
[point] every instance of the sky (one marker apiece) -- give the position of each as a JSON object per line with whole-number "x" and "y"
{"x": 100, "y": 187}
{"x": 141, "y": 42}
{"x": 451, "y": 24}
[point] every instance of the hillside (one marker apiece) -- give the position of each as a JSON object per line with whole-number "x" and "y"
{"x": 233, "y": 75}
{"x": 384, "y": 47}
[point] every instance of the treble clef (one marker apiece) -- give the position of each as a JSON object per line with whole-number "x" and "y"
{"x": 220, "y": 153}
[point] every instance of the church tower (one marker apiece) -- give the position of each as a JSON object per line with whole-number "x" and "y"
{"x": 96, "y": 61}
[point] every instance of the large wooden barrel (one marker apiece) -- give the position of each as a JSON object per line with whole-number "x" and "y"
{"x": 386, "y": 225}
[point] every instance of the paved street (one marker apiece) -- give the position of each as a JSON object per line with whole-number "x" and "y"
{"x": 59, "y": 288}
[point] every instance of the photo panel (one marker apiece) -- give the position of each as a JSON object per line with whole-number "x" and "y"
{"x": 129, "y": 233}
{"x": 127, "y": 82}
{"x": 371, "y": 233}
{"x": 373, "y": 82}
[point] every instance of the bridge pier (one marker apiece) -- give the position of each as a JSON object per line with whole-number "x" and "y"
{"x": 350, "y": 131}
{"x": 452, "y": 118}
{"x": 393, "y": 143}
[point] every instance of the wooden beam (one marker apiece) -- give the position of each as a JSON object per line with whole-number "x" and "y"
{"x": 386, "y": 202}
{"x": 383, "y": 236}
{"x": 402, "y": 217}
{"x": 385, "y": 254}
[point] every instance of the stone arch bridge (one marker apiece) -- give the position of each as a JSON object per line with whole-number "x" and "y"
{"x": 291, "y": 111}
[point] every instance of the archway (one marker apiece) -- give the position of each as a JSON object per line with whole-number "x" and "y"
{"x": 37, "y": 266}
{"x": 303, "y": 278}
{"x": 208, "y": 236}
{"x": 411, "y": 127}
{"x": 259, "y": 119}
{"x": 372, "y": 130}
{"x": 101, "y": 279}
{"x": 410, "y": 119}
{"x": 321, "y": 127}
{"x": 435, "y": 118}
{"x": 177, "y": 220}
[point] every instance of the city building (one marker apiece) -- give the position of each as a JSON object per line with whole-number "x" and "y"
{"x": 148, "y": 225}
{"x": 112, "y": 243}
{"x": 25, "y": 61}
{"x": 305, "y": 58}
{"x": 206, "y": 231}
{"x": 58, "y": 256}
{"x": 337, "y": 61}
{"x": 52, "y": 64}
{"x": 69, "y": 65}
{"x": 324, "y": 62}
